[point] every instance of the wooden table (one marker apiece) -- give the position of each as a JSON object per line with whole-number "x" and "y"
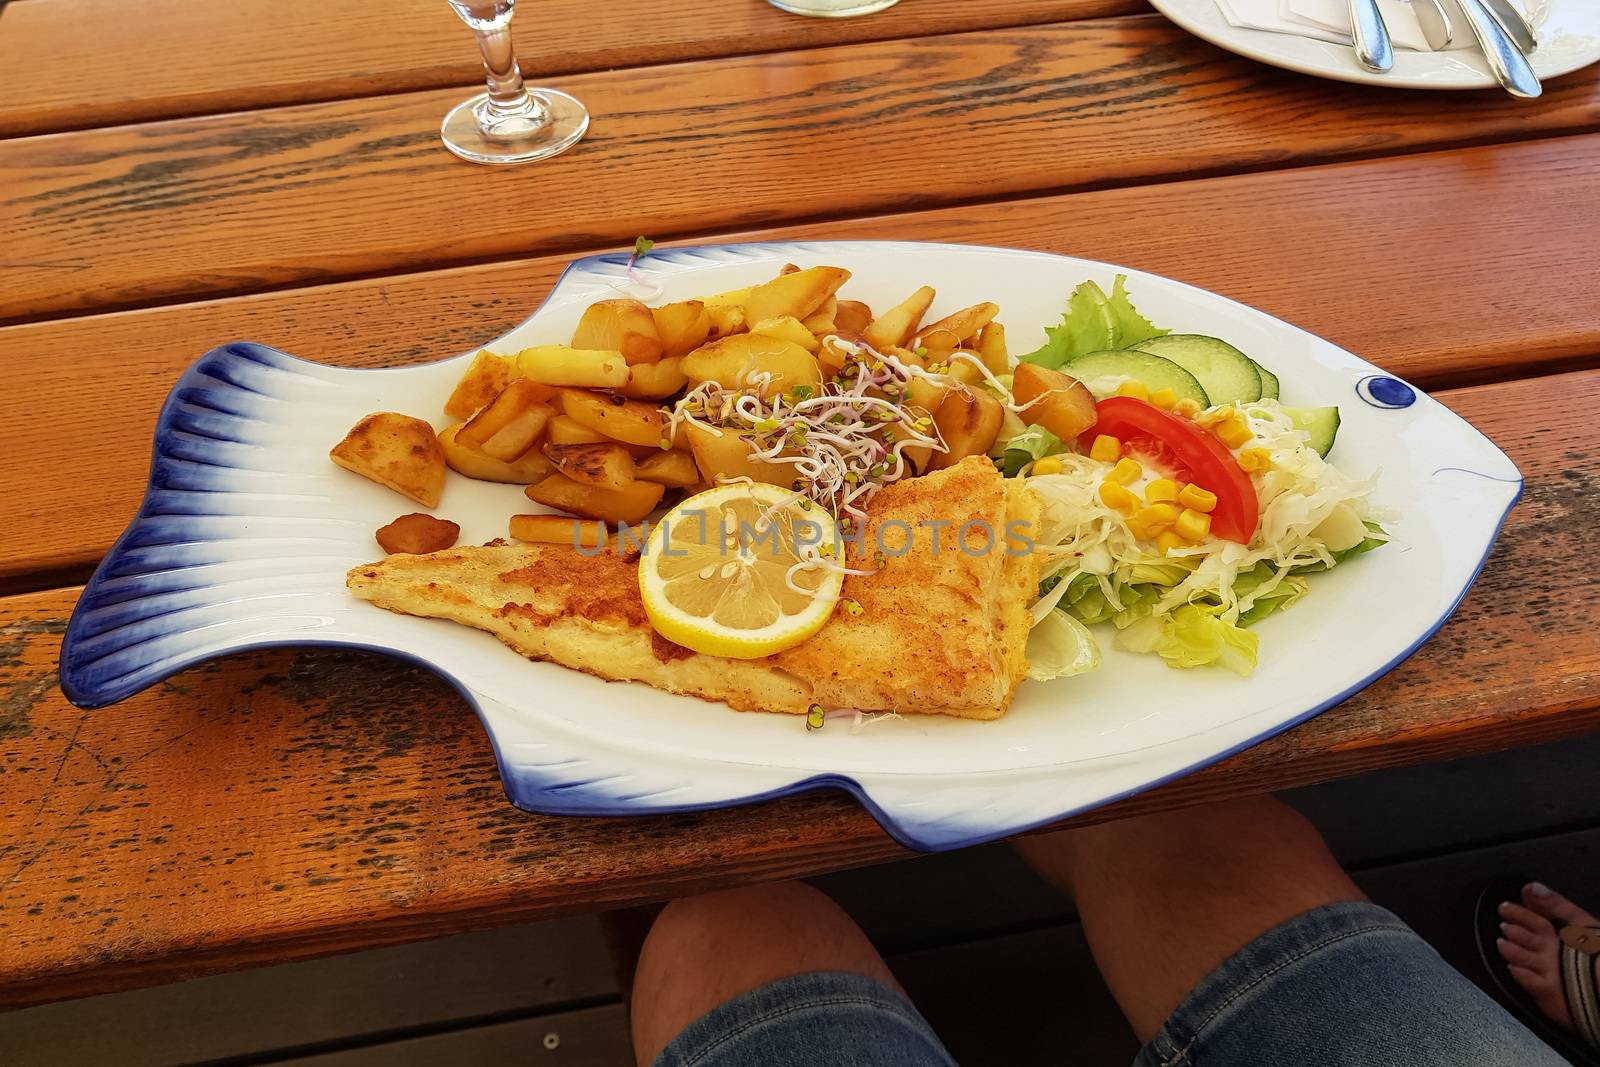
{"x": 270, "y": 169}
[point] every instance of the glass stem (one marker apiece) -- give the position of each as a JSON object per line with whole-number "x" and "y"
{"x": 507, "y": 95}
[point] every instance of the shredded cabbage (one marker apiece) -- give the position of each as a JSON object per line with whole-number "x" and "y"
{"x": 1192, "y": 606}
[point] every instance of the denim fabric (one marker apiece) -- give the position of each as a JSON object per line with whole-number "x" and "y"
{"x": 822, "y": 1019}
{"x": 1347, "y": 985}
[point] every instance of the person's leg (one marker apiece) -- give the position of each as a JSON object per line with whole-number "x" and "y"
{"x": 1166, "y": 898}
{"x": 704, "y": 952}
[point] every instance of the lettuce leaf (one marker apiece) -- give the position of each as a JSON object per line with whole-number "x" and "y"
{"x": 1194, "y": 636}
{"x": 1093, "y": 322}
{"x": 1032, "y": 444}
{"x": 1059, "y": 647}
{"x": 1379, "y": 538}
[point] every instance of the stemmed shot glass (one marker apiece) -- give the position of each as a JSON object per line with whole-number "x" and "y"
{"x": 510, "y": 123}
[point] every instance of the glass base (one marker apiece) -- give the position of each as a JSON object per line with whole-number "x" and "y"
{"x": 833, "y": 9}
{"x": 515, "y": 138}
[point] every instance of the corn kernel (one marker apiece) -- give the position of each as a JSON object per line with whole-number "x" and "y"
{"x": 1192, "y": 525}
{"x": 1105, "y": 449}
{"x": 1215, "y": 416}
{"x": 1192, "y": 496}
{"x": 1127, "y": 471}
{"x": 1137, "y": 390}
{"x": 1047, "y": 465}
{"x": 1252, "y": 460}
{"x": 1146, "y": 523}
{"x": 1164, "y": 398}
{"x": 1113, "y": 495}
{"x": 1234, "y": 432}
{"x": 1187, "y": 408}
{"x": 1161, "y": 489}
{"x": 1166, "y": 541}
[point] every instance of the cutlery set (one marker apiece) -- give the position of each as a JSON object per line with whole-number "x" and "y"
{"x": 1503, "y": 33}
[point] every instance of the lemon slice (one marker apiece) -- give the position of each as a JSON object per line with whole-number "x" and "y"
{"x": 713, "y": 575}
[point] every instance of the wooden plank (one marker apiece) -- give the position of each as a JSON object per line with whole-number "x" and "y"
{"x": 288, "y": 804}
{"x": 403, "y": 989}
{"x": 262, "y": 53}
{"x": 589, "y": 1037}
{"x": 256, "y": 200}
{"x": 1508, "y": 295}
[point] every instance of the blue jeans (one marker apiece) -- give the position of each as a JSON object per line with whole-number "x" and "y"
{"x": 1346, "y": 985}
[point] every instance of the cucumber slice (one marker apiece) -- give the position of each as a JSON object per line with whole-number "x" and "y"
{"x": 1321, "y": 423}
{"x": 1154, "y": 371}
{"x": 1225, "y": 373}
{"x": 1269, "y": 382}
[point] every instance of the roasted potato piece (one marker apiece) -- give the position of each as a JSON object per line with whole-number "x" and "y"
{"x": 682, "y": 327}
{"x": 992, "y": 347}
{"x": 831, "y": 355}
{"x": 732, "y": 296}
{"x": 1058, "y": 402}
{"x": 565, "y": 430}
{"x": 580, "y": 367}
{"x": 852, "y": 316}
{"x": 726, "y": 456}
{"x": 628, "y": 504}
{"x": 528, "y": 468}
{"x": 787, "y": 328}
{"x": 417, "y": 534}
{"x": 962, "y": 367}
{"x": 797, "y": 294}
{"x": 959, "y": 328}
{"x": 518, "y": 435}
{"x": 733, "y": 361}
{"x": 899, "y": 324}
{"x": 520, "y": 396}
{"x": 653, "y": 381}
{"x": 623, "y": 325}
{"x": 969, "y": 420}
{"x": 608, "y": 465}
{"x": 926, "y": 393}
{"x": 821, "y": 320}
{"x": 396, "y": 451}
{"x": 485, "y": 377}
{"x": 726, "y": 319}
{"x": 673, "y": 469}
{"x": 634, "y": 422}
{"x": 559, "y": 530}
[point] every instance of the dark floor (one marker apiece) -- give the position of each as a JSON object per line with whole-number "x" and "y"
{"x": 1421, "y": 840}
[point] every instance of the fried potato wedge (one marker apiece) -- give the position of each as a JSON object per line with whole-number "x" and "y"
{"x": 673, "y": 469}
{"x": 622, "y": 325}
{"x": 899, "y": 324}
{"x": 608, "y": 465}
{"x": 485, "y": 377}
{"x": 798, "y": 294}
{"x": 655, "y": 381}
{"x": 724, "y": 456}
{"x": 510, "y": 404}
{"x": 634, "y": 422}
{"x": 396, "y": 451}
{"x": 969, "y": 420}
{"x": 628, "y": 504}
{"x": 417, "y": 534}
{"x": 559, "y": 530}
{"x": 787, "y": 328}
{"x": 852, "y": 316}
{"x": 1058, "y": 402}
{"x": 578, "y": 367}
{"x": 957, "y": 329}
{"x": 526, "y": 469}
{"x": 992, "y": 347}
{"x": 682, "y": 327}
{"x": 821, "y": 320}
{"x": 734, "y": 362}
{"x": 726, "y": 319}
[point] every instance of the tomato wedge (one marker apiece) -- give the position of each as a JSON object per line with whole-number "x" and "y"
{"x": 1195, "y": 454}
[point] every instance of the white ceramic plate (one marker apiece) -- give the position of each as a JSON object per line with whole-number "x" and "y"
{"x": 1568, "y": 30}
{"x": 247, "y": 531}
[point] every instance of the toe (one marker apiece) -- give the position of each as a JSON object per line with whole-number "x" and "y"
{"x": 1527, "y": 918}
{"x": 1545, "y": 991}
{"x": 1528, "y": 939}
{"x": 1517, "y": 956}
{"x": 1554, "y": 906}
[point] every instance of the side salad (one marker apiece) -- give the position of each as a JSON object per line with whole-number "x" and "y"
{"x": 1183, "y": 500}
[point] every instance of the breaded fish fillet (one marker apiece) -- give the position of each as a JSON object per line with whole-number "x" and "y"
{"x": 942, "y": 630}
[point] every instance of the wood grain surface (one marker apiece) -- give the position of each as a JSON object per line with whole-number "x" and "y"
{"x": 284, "y": 804}
{"x": 168, "y": 58}
{"x": 248, "y": 201}
{"x": 1513, "y": 292}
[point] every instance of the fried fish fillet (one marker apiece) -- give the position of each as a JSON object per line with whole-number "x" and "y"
{"x": 942, "y": 627}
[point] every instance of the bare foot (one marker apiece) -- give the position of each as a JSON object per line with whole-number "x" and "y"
{"x": 1531, "y": 948}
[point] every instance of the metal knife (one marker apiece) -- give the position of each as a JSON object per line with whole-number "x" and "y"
{"x": 1373, "y": 47}
{"x": 1515, "y": 23}
{"x": 1509, "y": 65}
{"x": 1434, "y": 21}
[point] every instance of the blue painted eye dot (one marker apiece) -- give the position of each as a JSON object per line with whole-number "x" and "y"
{"x": 1381, "y": 391}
